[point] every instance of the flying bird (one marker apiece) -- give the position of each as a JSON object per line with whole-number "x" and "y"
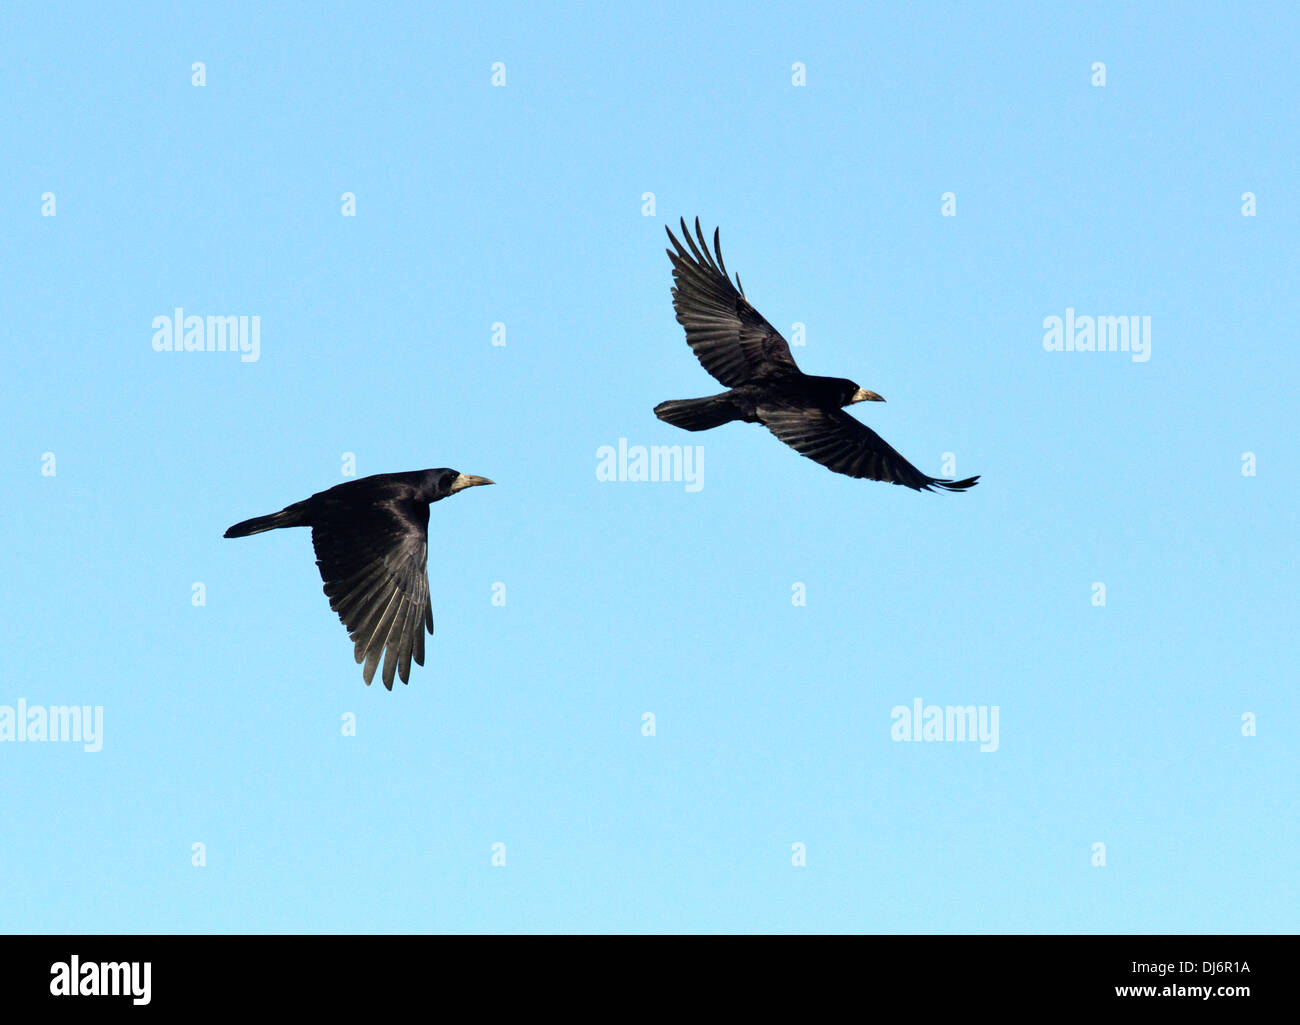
{"x": 372, "y": 542}
{"x": 747, "y": 354}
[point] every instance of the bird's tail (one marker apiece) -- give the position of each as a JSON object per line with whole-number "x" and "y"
{"x": 698, "y": 414}
{"x": 293, "y": 516}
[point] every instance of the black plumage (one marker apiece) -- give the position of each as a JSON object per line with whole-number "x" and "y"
{"x": 372, "y": 541}
{"x": 747, "y": 354}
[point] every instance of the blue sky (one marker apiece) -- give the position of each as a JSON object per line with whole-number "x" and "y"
{"x": 523, "y": 205}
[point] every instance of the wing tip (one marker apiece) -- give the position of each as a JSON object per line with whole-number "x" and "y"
{"x": 952, "y": 485}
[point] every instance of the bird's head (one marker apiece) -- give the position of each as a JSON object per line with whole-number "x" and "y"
{"x": 853, "y": 393}
{"x": 446, "y": 482}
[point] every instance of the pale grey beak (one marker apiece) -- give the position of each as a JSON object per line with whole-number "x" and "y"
{"x": 467, "y": 480}
{"x": 862, "y": 395}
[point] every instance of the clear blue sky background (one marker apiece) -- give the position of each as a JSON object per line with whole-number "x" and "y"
{"x": 522, "y": 205}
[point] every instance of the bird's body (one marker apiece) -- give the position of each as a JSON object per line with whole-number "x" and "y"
{"x": 744, "y": 352}
{"x": 371, "y": 541}
{"x": 746, "y": 402}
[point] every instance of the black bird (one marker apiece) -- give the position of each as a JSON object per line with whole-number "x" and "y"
{"x": 743, "y": 351}
{"x": 372, "y": 542}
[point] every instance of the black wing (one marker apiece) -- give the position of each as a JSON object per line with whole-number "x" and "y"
{"x": 373, "y": 562}
{"x": 729, "y": 337}
{"x": 848, "y": 446}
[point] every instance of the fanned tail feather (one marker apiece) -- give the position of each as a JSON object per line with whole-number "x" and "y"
{"x": 290, "y": 517}
{"x": 697, "y": 414}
